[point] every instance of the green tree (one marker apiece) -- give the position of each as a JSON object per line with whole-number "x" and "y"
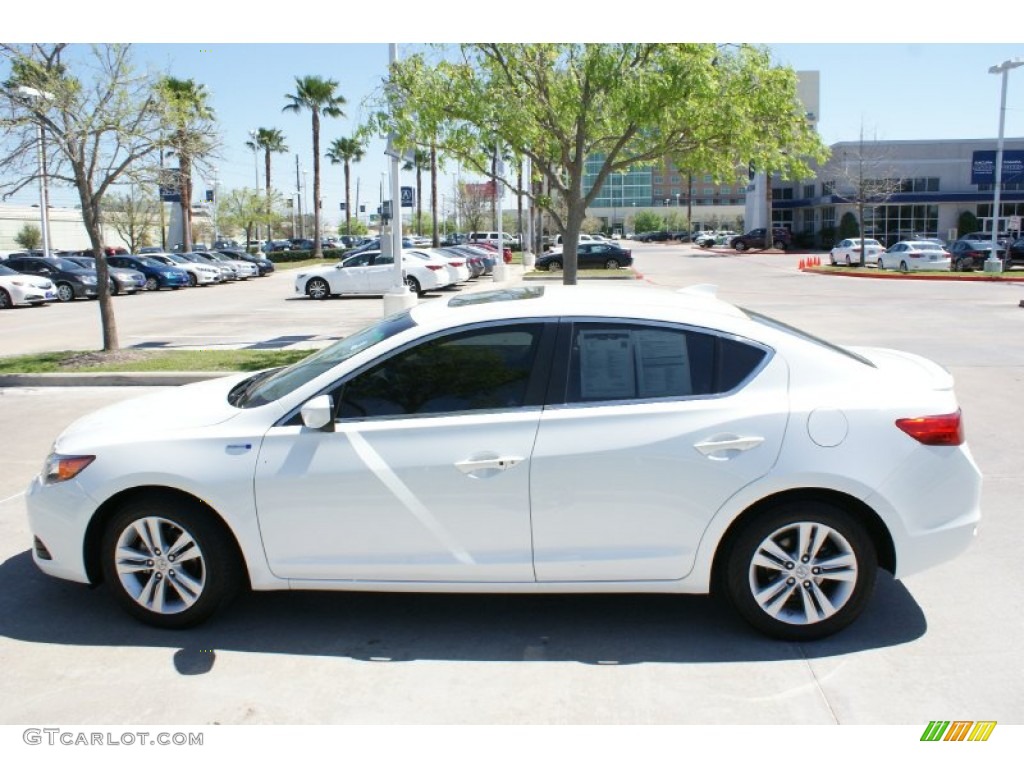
{"x": 848, "y": 226}
{"x": 269, "y": 140}
{"x": 102, "y": 122}
{"x": 191, "y": 137}
{"x": 29, "y": 237}
{"x": 318, "y": 96}
{"x": 647, "y": 221}
{"x": 966, "y": 223}
{"x": 347, "y": 151}
{"x": 241, "y": 209}
{"x": 612, "y": 105}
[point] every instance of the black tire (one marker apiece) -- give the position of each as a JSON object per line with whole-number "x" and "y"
{"x": 962, "y": 265}
{"x": 185, "y": 568}
{"x": 193, "y": 281}
{"x": 318, "y": 288}
{"x": 832, "y": 260}
{"x": 114, "y": 289}
{"x": 5, "y": 300}
{"x": 779, "y": 245}
{"x": 798, "y": 601}
{"x": 739, "y": 245}
{"x": 849, "y": 261}
{"x": 152, "y": 284}
{"x": 554, "y": 266}
{"x": 65, "y": 292}
{"x": 611, "y": 264}
{"x": 413, "y": 284}
{"x": 903, "y": 267}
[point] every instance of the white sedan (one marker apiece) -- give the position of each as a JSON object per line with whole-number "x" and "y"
{"x": 915, "y": 256}
{"x": 458, "y": 270}
{"x": 371, "y": 273}
{"x": 19, "y": 289}
{"x": 848, "y": 252}
{"x": 533, "y": 439}
{"x": 198, "y": 274}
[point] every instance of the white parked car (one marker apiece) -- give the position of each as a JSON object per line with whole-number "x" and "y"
{"x": 533, "y": 439}
{"x": 458, "y": 270}
{"x": 198, "y": 273}
{"x": 848, "y": 252}
{"x": 371, "y": 273}
{"x": 914, "y": 256}
{"x": 243, "y": 269}
{"x": 18, "y": 289}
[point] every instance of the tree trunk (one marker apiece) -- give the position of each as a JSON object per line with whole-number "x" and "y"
{"x": 419, "y": 201}
{"x": 519, "y": 203}
{"x": 185, "y": 174}
{"x": 348, "y": 203}
{"x": 318, "y": 250}
{"x": 270, "y": 235}
{"x": 91, "y": 219}
{"x": 570, "y": 237}
{"x": 435, "y": 238}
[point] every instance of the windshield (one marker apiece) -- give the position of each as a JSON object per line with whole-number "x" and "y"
{"x": 268, "y": 386}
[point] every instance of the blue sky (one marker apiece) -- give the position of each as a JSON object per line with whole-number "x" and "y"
{"x": 894, "y": 90}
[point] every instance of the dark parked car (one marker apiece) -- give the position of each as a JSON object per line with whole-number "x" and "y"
{"x": 589, "y": 256}
{"x": 264, "y": 265}
{"x": 971, "y": 254}
{"x": 1016, "y": 253}
{"x": 654, "y": 237}
{"x": 301, "y": 244}
{"x": 121, "y": 280}
{"x": 781, "y": 239}
{"x": 71, "y": 281}
{"x": 158, "y": 275}
{"x": 276, "y": 245}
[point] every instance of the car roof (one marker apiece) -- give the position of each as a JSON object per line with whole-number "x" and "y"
{"x": 696, "y": 305}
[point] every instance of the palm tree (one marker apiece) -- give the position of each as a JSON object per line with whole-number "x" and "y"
{"x": 346, "y": 151}
{"x": 269, "y": 140}
{"x": 190, "y": 118}
{"x": 420, "y": 162}
{"x": 317, "y": 95}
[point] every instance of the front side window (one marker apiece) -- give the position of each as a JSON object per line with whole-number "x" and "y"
{"x": 483, "y": 369}
{"x": 618, "y": 361}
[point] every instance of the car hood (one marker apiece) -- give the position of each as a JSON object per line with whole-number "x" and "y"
{"x": 173, "y": 410}
{"x": 907, "y": 368}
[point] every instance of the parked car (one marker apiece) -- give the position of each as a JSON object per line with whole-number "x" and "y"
{"x": 914, "y": 255}
{"x": 589, "y": 256}
{"x": 21, "y": 290}
{"x": 263, "y": 265}
{"x": 493, "y": 238}
{"x": 755, "y": 238}
{"x": 228, "y": 272}
{"x": 1015, "y": 253}
{"x": 848, "y": 251}
{"x": 662, "y": 236}
{"x": 301, "y": 244}
{"x": 276, "y": 245}
{"x": 70, "y": 280}
{"x": 458, "y": 270}
{"x": 535, "y": 438}
{"x": 199, "y": 273}
{"x": 122, "y": 281}
{"x": 370, "y": 273}
{"x": 158, "y": 275}
{"x": 244, "y": 269}
{"x": 968, "y": 255}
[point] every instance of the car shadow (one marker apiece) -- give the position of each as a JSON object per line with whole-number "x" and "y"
{"x": 393, "y": 627}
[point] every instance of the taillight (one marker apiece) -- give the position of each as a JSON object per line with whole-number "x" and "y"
{"x": 947, "y": 429}
{"x": 434, "y": 267}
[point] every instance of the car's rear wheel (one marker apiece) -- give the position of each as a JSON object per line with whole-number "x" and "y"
{"x": 554, "y": 266}
{"x": 413, "y": 284}
{"x": 849, "y": 262}
{"x": 779, "y": 245}
{"x": 317, "y": 288}
{"x": 903, "y": 267}
{"x": 611, "y": 264}
{"x": 801, "y": 571}
{"x": 192, "y": 280}
{"x": 167, "y": 563}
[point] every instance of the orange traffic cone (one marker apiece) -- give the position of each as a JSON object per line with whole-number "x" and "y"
{"x": 802, "y": 265}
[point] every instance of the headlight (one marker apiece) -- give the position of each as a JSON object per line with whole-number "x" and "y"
{"x": 59, "y": 468}
{"x": 88, "y": 280}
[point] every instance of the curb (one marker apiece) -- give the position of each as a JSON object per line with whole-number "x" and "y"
{"x": 958, "y": 277}
{"x": 109, "y": 379}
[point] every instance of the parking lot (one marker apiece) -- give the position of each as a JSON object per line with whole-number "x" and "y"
{"x": 943, "y": 644}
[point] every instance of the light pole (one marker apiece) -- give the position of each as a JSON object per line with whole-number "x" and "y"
{"x": 44, "y": 214}
{"x": 993, "y": 264}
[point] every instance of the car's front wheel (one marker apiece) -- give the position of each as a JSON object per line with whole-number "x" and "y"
{"x": 413, "y": 285}
{"x": 65, "y": 292}
{"x": 903, "y": 267}
{"x": 779, "y": 245}
{"x": 317, "y": 288}
{"x": 152, "y": 284}
{"x": 167, "y": 563}
{"x": 801, "y": 571}
{"x": 5, "y": 300}
{"x": 611, "y": 264}
{"x": 739, "y": 245}
{"x": 554, "y": 266}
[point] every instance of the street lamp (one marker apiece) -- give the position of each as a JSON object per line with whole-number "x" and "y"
{"x": 44, "y": 214}
{"x": 993, "y": 263}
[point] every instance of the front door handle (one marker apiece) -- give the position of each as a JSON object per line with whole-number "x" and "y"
{"x": 728, "y": 446}
{"x": 480, "y": 467}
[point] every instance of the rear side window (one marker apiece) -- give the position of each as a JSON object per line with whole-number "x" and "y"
{"x": 612, "y": 361}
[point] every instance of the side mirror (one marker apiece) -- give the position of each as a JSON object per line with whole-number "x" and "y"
{"x": 318, "y": 413}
